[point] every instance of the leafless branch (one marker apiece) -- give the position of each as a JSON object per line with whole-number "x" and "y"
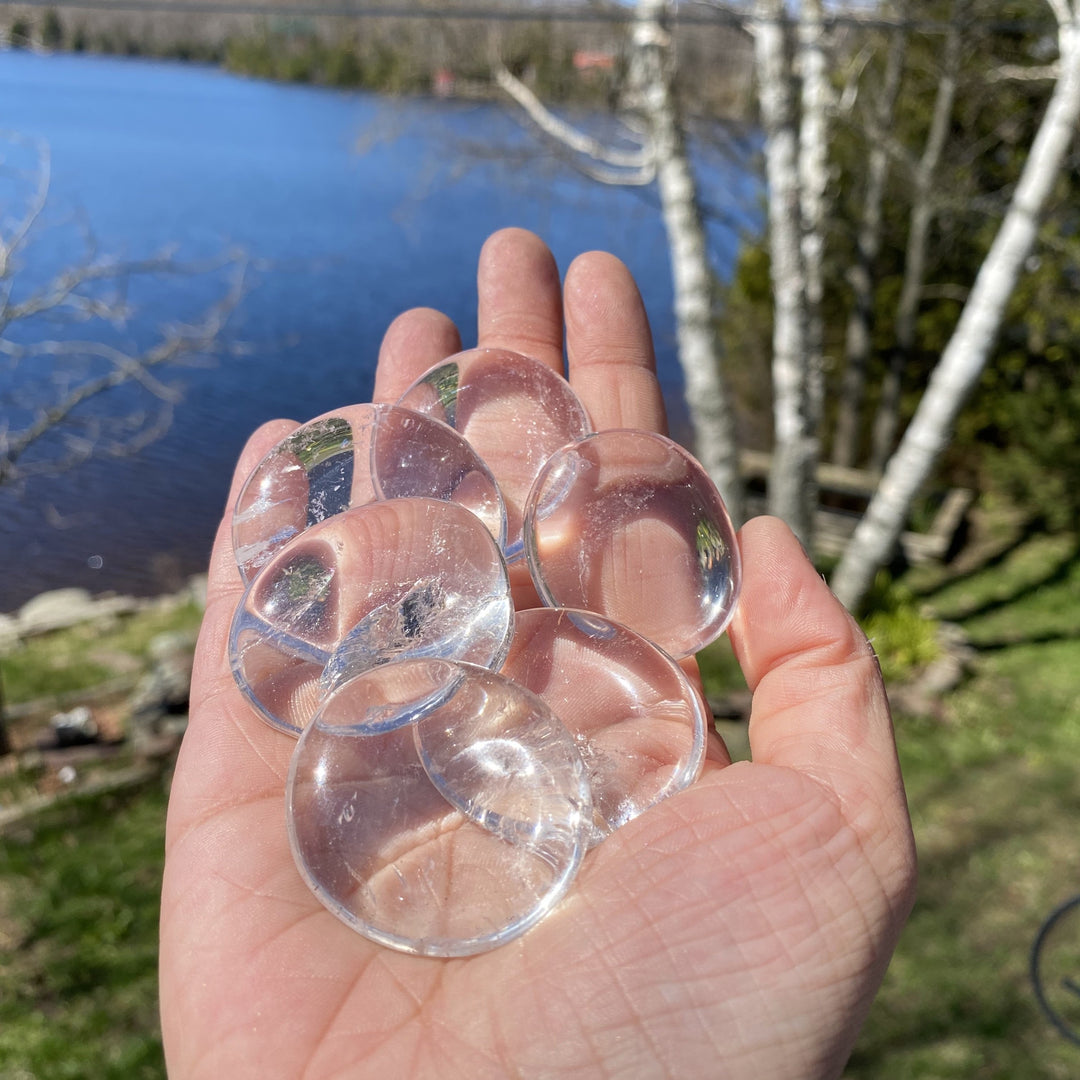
{"x": 1020, "y": 73}
{"x": 850, "y": 92}
{"x": 35, "y": 204}
{"x": 600, "y": 162}
{"x": 72, "y": 291}
{"x": 62, "y": 292}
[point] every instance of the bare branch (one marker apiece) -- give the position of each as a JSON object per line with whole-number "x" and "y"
{"x": 62, "y": 292}
{"x": 1019, "y": 73}
{"x": 179, "y": 343}
{"x": 35, "y": 204}
{"x": 850, "y": 93}
{"x": 603, "y": 163}
{"x": 135, "y": 368}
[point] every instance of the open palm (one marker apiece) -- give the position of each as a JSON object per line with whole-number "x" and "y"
{"x": 738, "y": 929}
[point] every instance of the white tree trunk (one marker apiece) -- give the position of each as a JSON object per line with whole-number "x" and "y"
{"x": 791, "y": 478}
{"x": 708, "y": 400}
{"x": 813, "y": 185}
{"x": 969, "y": 347}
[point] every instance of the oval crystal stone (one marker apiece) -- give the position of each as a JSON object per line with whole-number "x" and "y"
{"x": 627, "y": 524}
{"x": 357, "y": 455}
{"x": 382, "y": 846}
{"x": 406, "y": 577}
{"x": 637, "y": 722}
{"x": 514, "y": 410}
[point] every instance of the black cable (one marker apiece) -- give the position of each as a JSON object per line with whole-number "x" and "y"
{"x": 1034, "y": 969}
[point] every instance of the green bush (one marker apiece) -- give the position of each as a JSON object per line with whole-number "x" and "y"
{"x": 342, "y": 68}
{"x": 903, "y": 637}
{"x": 52, "y": 30}
{"x": 20, "y": 33}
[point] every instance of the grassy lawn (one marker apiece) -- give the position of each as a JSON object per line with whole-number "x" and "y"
{"x": 993, "y": 780}
{"x": 78, "y": 941}
{"x": 994, "y": 787}
{"x": 88, "y": 654}
{"x": 80, "y": 883}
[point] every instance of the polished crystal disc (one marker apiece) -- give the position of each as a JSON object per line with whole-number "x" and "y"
{"x": 637, "y": 722}
{"x": 354, "y": 456}
{"x": 378, "y": 841}
{"x": 406, "y": 577}
{"x": 514, "y": 410}
{"x": 627, "y": 524}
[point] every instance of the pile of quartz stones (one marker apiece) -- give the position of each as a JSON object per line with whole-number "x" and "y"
{"x": 457, "y": 758}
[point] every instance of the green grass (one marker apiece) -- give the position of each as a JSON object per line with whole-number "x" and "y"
{"x": 79, "y": 896}
{"x": 720, "y": 673}
{"x": 994, "y": 788}
{"x": 80, "y": 884}
{"x": 84, "y": 656}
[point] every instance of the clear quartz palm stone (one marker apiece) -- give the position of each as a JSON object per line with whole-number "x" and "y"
{"x": 627, "y": 524}
{"x": 376, "y": 838}
{"x": 406, "y": 577}
{"x": 637, "y": 722}
{"x": 514, "y": 410}
{"x": 356, "y": 455}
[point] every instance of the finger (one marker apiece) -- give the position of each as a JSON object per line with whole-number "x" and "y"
{"x": 609, "y": 345}
{"x": 216, "y": 764}
{"x": 519, "y": 297}
{"x": 416, "y": 340}
{"x": 819, "y": 702}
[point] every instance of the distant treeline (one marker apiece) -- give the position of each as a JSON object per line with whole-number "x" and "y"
{"x": 581, "y": 62}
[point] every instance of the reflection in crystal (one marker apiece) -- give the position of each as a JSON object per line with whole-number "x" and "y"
{"x": 357, "y": 455}
{"x": 319, "y": 441}
{"x": 444, "y": 381}
{"x": 297, "y": 597}
{"x": 331, "y": 484}
{"x": 711, "y": 548}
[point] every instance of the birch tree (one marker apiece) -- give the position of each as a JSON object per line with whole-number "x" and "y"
{"x": 969, "y": 347}
{"x": 661, "y": 155}
{"x": 794, "y": 100}
{"x": 816, "y": 97}
{"x": 792, "y": 488}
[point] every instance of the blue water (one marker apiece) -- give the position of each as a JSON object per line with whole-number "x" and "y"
{"x": 352, "y": 207}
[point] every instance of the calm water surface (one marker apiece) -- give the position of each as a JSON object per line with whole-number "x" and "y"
{"x": 354, "y": 208}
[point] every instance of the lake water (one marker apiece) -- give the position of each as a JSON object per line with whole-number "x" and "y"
{"x": 353, "y": 207}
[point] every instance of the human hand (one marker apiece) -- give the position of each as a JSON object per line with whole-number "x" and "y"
{"x": 738, "y": 929}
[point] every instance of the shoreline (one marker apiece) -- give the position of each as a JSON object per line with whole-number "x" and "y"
{"x": 62, "y": 608}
